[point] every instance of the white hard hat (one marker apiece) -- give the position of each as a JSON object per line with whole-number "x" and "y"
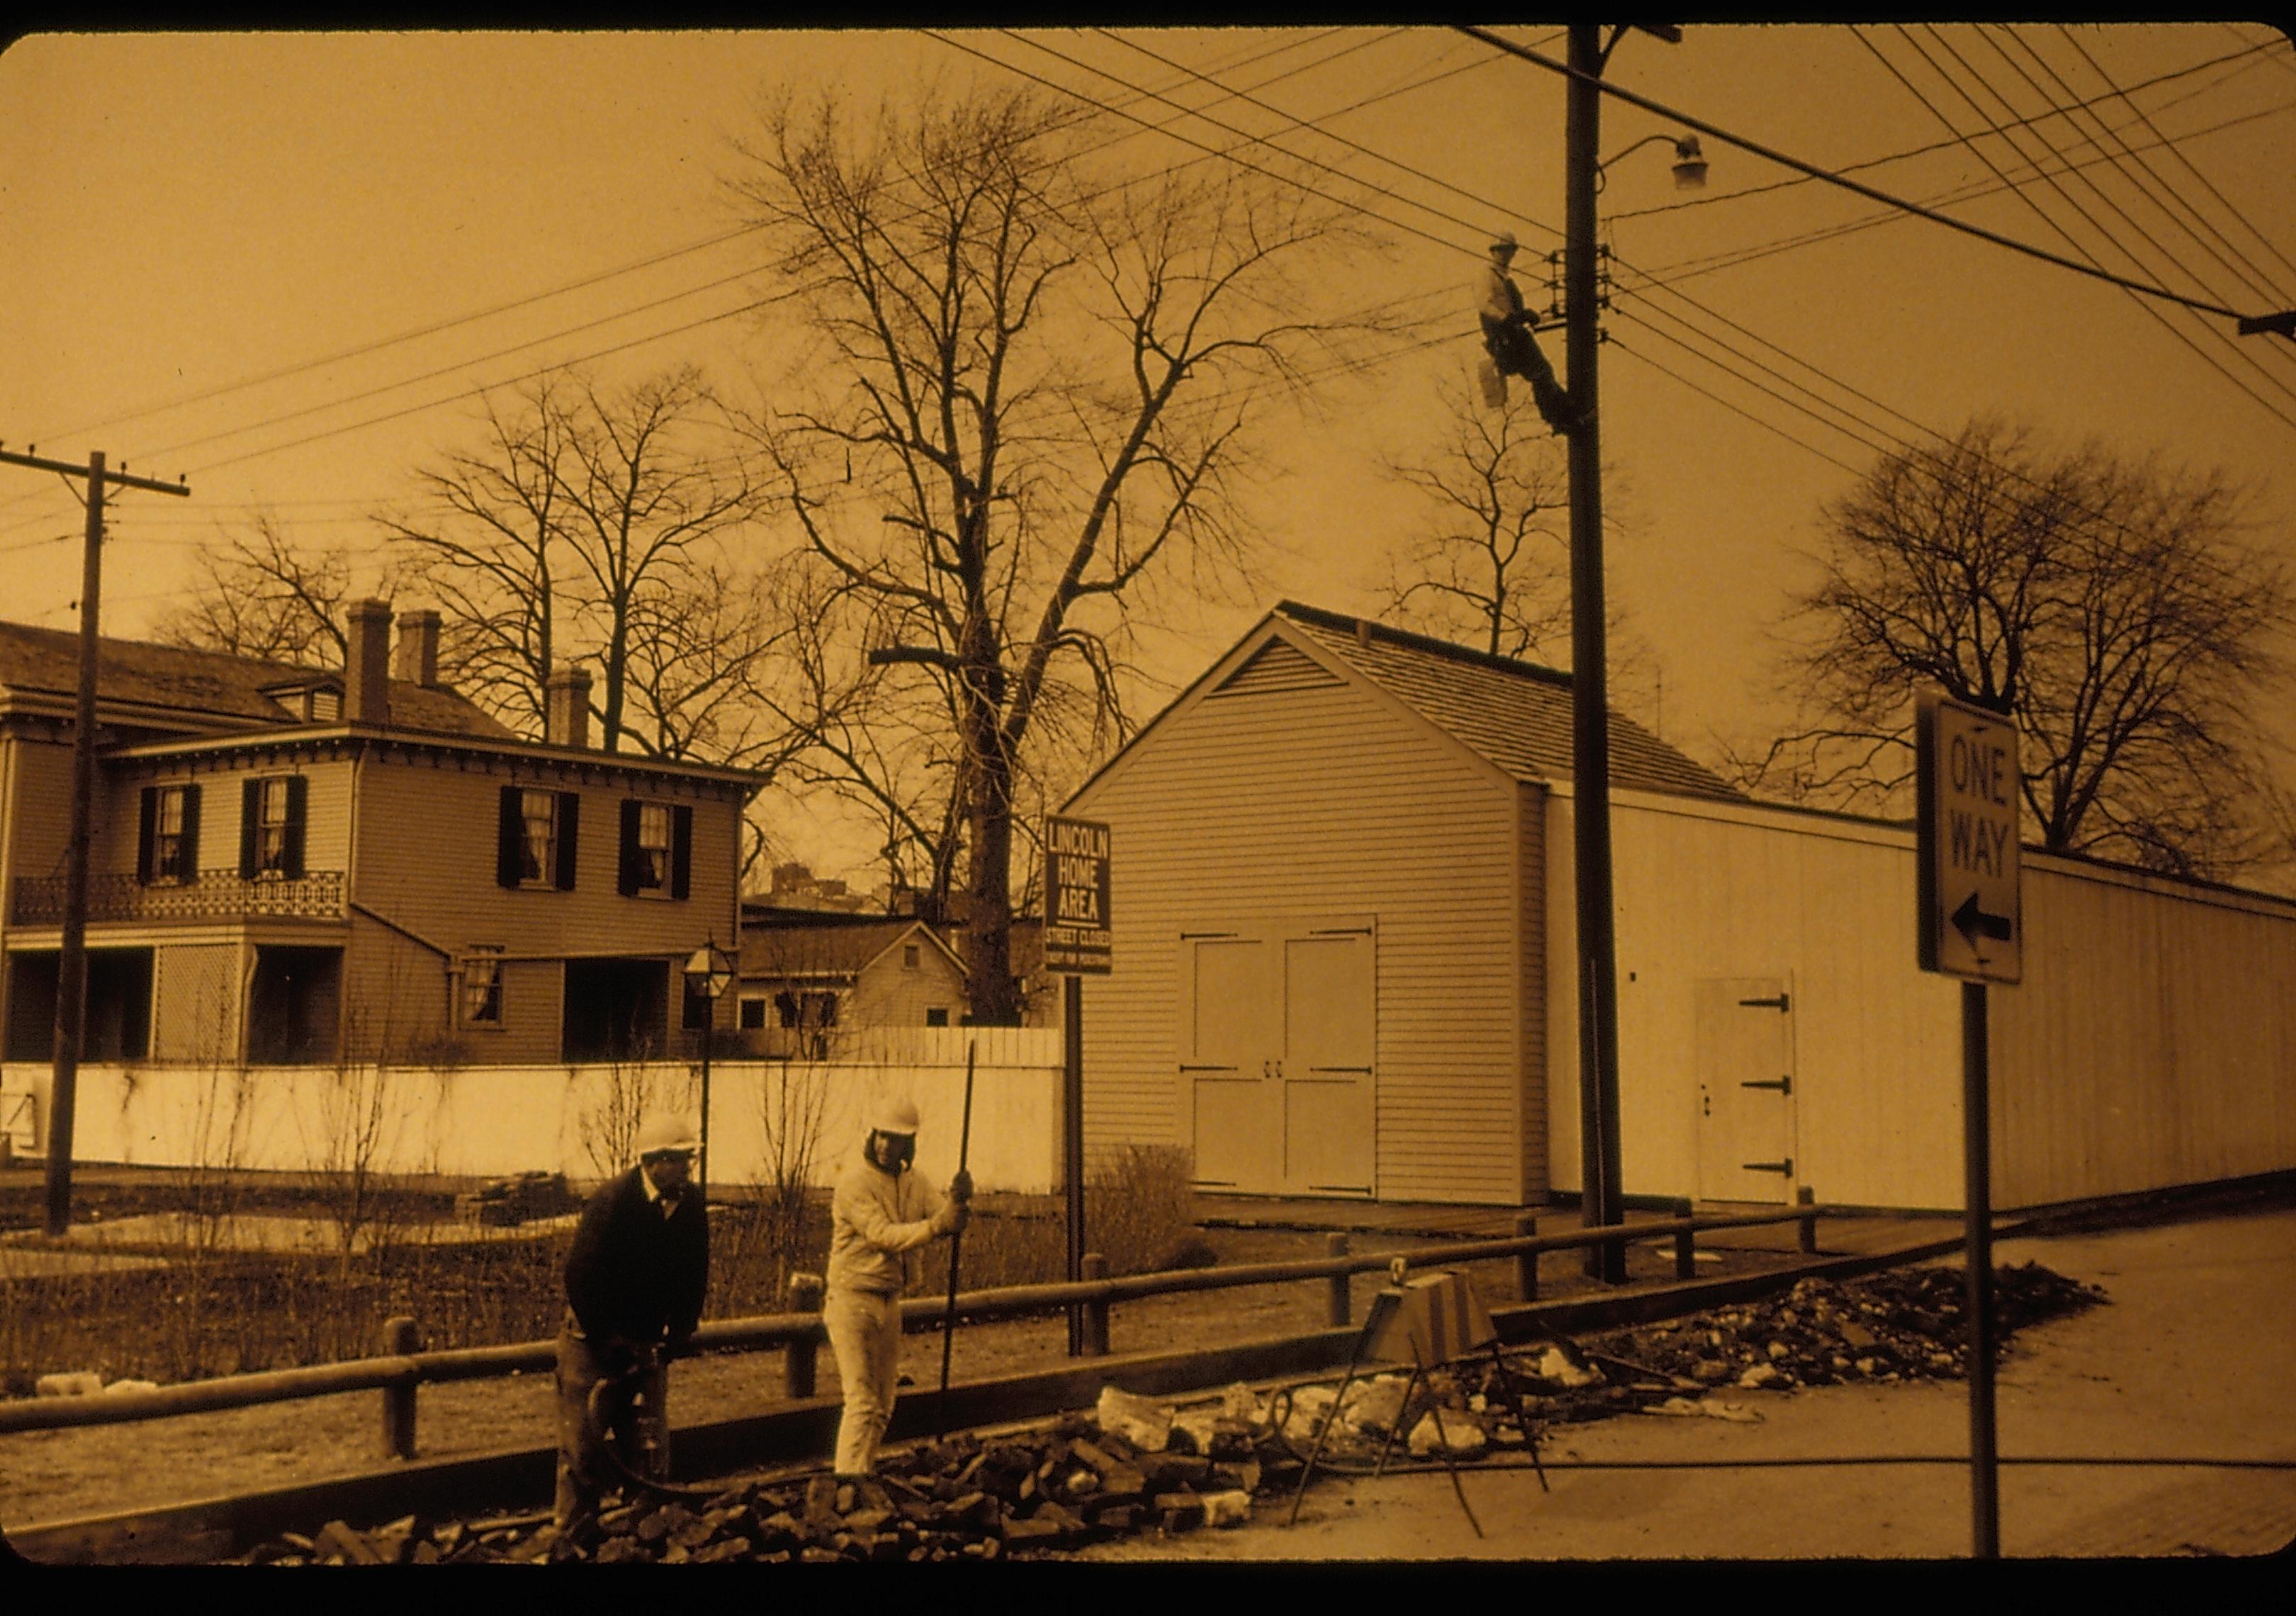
{"x": 664, "y": 1134}
{"x": 894, "y": 1117}
{"x": 1504, "y": 238}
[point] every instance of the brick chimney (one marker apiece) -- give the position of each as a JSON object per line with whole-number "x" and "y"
{"x": 566, "y": 707}
{"x": 367, "y": 663}
{"x": 418, "y": 649}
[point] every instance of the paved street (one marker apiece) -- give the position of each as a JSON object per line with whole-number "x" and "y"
{"x": 2188, "y": 1362}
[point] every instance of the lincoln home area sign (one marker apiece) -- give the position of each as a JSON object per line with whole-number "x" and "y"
{"x": 1970, "y": 924}
{"x": 1077, "y": 937}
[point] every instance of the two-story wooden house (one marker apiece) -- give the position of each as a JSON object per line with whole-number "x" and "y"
{"x": 300, "y": 866}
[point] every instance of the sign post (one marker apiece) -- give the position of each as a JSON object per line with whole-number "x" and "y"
{"x": 1077, "y": 943}
{"x": 1970, "y": 924}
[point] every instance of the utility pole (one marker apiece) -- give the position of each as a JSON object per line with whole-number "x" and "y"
{"x": 71, "y": 961}
{"x": 1590, "y": 750}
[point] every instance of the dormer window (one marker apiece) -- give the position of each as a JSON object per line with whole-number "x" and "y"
{"x": 323, "y": 704}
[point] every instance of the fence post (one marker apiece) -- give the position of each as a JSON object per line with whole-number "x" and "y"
{"x": 1095, "y": 1313}
{"x": 798, "y": 1358}
{"x": 1525, "y": 1263}
{"x": 1343, "y": 1308}
{"x": 1685, "y": 1243}
{"x": 1808, "y": 1198}
{"x": 399, "y": 1340}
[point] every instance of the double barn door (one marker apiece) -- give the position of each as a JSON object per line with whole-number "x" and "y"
{"x": 1278, "y": 1045}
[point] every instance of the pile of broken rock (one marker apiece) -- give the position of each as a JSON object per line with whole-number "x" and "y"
{"x": 1135, "y": 1463}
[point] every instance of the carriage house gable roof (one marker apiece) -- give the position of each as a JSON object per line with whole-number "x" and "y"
{"x": 1515, "y": 714}
{"x": 1515, "y": 717}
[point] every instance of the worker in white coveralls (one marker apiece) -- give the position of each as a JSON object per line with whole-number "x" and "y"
{"x": 880, "y": 1214}
{"x": 1513, "y": 350}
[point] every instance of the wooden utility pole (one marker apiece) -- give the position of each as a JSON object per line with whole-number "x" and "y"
{"x": 1590, "y": 753}
{"x": 71, "y": 961}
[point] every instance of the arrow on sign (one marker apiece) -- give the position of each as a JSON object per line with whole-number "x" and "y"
{"x": 1973, "y": 923}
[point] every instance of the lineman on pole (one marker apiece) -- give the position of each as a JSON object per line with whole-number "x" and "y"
{"x": 878, "y": 1215}
{"x": 1513, "y": 350}
{"x": 635, "y": 1282}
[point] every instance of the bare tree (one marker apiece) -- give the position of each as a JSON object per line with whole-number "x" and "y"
{"x": 2112, "y": 606}
{"x": 586, "y": 523}
{"x": 1024, "y": 402}
{"x": 263, "y": 595}
{"x": 1491, "y": 565}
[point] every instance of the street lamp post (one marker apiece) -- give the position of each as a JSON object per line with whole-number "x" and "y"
{"x": 708, "y": 972}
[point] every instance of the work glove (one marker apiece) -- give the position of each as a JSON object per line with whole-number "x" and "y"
{"x": 960, "y": 1188}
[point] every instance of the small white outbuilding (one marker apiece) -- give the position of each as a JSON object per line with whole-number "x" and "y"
{"x": 1345, "y": 965}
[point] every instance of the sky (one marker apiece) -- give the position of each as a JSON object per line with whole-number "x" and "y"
{"x": 289, "y": 266}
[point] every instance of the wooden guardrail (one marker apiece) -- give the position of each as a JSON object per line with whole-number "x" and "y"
{"x": 400, "y": 1370}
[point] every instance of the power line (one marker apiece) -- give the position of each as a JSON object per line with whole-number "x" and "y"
{"x": 2152, "y": 313}
{"x": 2189, "y": 167}
{"x": 1690, "y": 268}
{"x": 1243, "y": 61}
{"x": 1833, "y": 178}
{"x": 1940, "y": 145}
{"x": 2140, "y": 175}
{"x": 1249, "y": 140}
{"x": 1636, "y": 354}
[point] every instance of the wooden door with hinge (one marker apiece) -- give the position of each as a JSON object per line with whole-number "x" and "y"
{"x": 1745, "y": 1059}
{"x": 1276, "y": 1058}
{"x": 1330, "y": 1010}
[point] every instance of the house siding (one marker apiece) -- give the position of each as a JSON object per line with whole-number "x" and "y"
{"x": 889, "y": 995}
{"x": 426, "y": 865}
{"x": 1530, "y": 982}
{"x": 326, "y": 810}
{"x": 1290, "y": 800}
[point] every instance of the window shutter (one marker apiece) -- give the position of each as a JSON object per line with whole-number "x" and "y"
{"x": 569, "y": 804}
{"x": 251, "y": 815}
{"x": 631, "y": 809}
{"x": 189, "y": 856}
{"x": 147, "y": 833}
{"x": 510, "y": 828}
{"x": 298, "y": 797}
{"x": 681, "y": 851}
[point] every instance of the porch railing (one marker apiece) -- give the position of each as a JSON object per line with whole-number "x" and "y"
{"x": 38, "y": 900}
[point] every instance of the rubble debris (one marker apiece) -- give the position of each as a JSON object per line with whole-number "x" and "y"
{"x": 78, "y": 1382}
{"x": 1137, "y": 1464}
{"x": 505, "y": 1202}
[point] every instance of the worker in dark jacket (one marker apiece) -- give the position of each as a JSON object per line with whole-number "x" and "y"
{"x": 635, "y": 1281}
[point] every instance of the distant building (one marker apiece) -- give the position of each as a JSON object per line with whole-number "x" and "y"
{"x": 809, "y": 983}
{"x": 295, "y": 866}
{"x": 796, "y": 887}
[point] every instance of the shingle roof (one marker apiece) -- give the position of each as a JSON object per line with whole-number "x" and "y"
{"x": 773, "y": 953}
{"x": 1515, "y": 714}
{"x": 206, "y": 685}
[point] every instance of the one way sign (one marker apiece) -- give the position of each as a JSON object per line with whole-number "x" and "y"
{"x": 1969, "y": 918}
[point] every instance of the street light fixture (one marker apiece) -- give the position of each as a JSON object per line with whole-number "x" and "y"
{"x": 1689, "y": 161}
{"x": 708, "y": 972}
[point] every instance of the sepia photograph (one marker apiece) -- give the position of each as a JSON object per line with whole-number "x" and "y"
{"x": 1247, "y": 799}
